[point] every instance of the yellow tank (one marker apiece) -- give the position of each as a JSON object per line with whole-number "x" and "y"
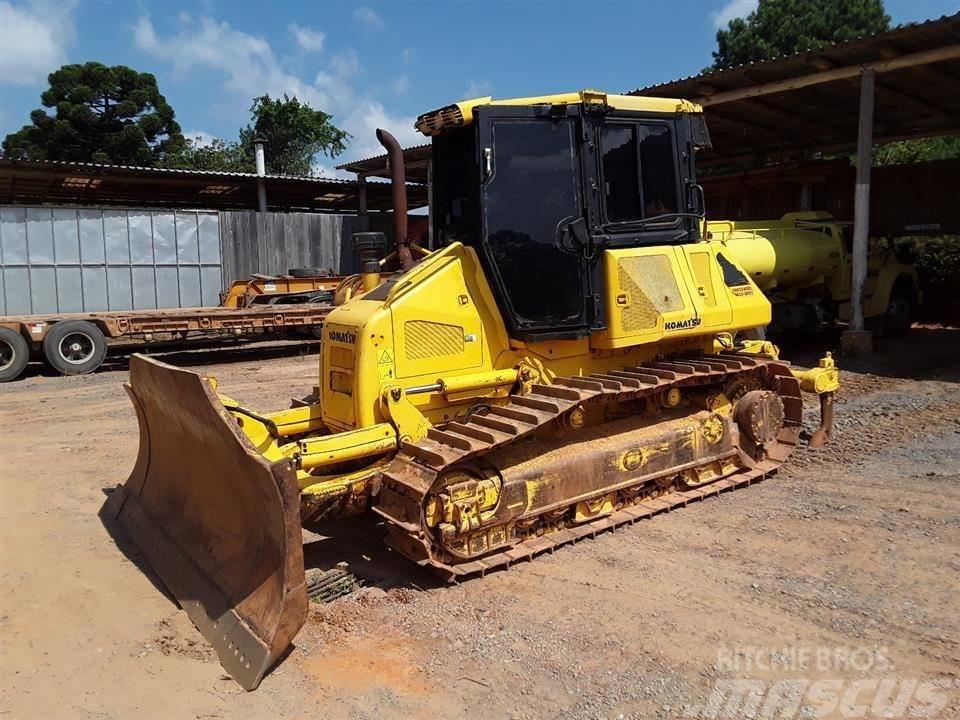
{"x": 799, "y": 250}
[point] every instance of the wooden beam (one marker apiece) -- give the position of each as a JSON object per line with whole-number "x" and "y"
{"x": 924, "y": 57}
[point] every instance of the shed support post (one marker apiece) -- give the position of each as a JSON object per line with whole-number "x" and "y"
{"x": 258, "y": 152}
{"x": 430, "y": 205}
{"x": 362, "y": 194}
{"x": 856, "y": 340}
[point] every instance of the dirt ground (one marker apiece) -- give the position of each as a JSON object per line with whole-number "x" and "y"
{"x": 831, "y": 590}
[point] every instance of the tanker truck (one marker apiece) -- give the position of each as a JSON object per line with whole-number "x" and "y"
{"x": 803, "y": 264}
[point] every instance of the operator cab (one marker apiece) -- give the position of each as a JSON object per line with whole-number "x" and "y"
{"x": 539, "y": 187}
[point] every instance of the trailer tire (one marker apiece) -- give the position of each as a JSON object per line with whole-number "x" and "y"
{"x": 14, "y": 354}
{"x": 74, "y": 347}
{"x": 309, "y": 272}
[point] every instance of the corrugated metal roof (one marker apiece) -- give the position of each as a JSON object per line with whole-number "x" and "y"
{"x": 916, "y": 101}
{"x": 170, "y": 171}
{"x": 904, "y": 31}
{"x": 53, "y": 181}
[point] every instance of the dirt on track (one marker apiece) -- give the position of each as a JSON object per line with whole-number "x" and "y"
{"x": 844, "y": 569}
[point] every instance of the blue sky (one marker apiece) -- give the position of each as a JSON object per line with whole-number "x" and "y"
{"x": 369, "y": 64}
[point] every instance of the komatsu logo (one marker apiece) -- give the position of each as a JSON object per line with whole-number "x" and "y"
{"x": 343, "y": 336}
{"x": 687, "y": 324}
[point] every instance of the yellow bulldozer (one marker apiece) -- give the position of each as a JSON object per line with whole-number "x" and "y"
{"x": 566, "y": 361}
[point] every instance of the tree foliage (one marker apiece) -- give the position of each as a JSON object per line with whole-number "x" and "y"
{"x": 101, "y": 114}
{"x": 917, "y": 150}
{"x": 783, "y": 27}
{"x": 294, "y": 132}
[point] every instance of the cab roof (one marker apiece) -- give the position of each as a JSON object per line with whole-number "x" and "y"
{"x": 460, "y": 113}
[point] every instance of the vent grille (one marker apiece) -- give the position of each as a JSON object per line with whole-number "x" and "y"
{"x": 341, "y": 357}
{"x": 431, "y": 340}
{"x": 653, "y": 290}
{"x": 435, "y": 122}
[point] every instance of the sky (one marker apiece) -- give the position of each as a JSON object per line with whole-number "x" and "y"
{"x": 370, "y": 65}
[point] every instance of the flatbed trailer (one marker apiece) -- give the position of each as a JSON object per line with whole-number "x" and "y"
{"x": 76, "y": 343}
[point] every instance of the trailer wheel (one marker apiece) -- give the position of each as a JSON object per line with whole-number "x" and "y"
{"x": 74, "y": 347}
{"x": 14, "y": 354}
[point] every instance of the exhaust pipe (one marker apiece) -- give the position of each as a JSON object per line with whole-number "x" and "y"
{"x": 398, "y": 187}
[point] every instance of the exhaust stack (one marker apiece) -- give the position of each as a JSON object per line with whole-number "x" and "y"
{"x": 398, "y": 187}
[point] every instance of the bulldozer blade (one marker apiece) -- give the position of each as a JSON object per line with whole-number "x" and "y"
{"x": 216, "y": 521}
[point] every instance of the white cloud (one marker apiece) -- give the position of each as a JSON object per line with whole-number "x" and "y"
{"x": 368, "y": 19}
{"x": 34, "y": 38}
{"x": 401, "y": 85}
{"x": 251, "y": 68}
{"x": 345, "y": 64}
{"x": 308, "y": 39}
{"x": 733, "y": 9}
{"x": 247, "y": 60}
{"x": 406, "y": 55}
{"x": 200, "y": 138}
{"x": 477, "y": 88}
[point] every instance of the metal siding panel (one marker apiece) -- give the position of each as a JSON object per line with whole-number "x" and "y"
{"x": 119, "y": 292}
{"x": 189, "y": 277}
{"x": 69, "y": 288}
{"x": 40, "y": 235}
{"x": 43, "y": 287}
{"x": 66, "y": 237}
{"x": 211, "y": 285}
{"x": 168, "y": 290}
{"x": 94, "y": 289}
{"x": 13, "y": 235}
{"x": 141, "y": 237}
{"x": 208, "y": 232}
{"x": 16, "y": 282}
{"x": 164, "y": 238}
{"x": 3, "y": 303}
{"x": 91, "y": 236}
{"x": 144, "y": 291}
{"x": 117, "y": 240}
{"x": 187, "y": 250}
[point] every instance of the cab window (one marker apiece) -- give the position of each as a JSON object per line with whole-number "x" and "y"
{"x": 639, "y": 171}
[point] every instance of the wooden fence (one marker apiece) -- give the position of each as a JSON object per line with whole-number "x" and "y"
{"x": 273, "y": 243}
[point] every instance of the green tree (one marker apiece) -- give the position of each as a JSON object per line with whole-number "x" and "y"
{"x": 216, "y": 155}
{"x": 917, "y": 150}
{"x": 783, "y": 27}
{"x": 294, "y": 131}
{"x": 101, "y": 114}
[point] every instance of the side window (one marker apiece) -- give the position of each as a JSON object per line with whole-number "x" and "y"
{"x": 621, "y": 178}
{"x": 658, "y": 170}
{"x": 636, "y": 184}
{"x": 530, "y": 199}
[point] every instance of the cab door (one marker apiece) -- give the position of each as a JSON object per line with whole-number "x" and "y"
{"x": 533, "y": 229}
